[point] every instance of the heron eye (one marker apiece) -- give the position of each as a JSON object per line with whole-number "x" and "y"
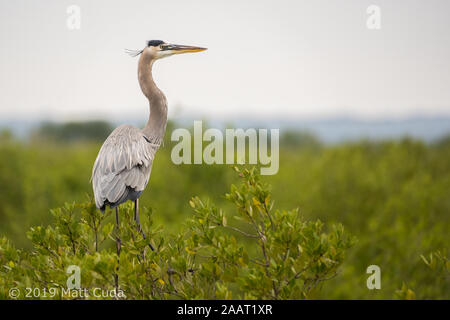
{"x": 161, "y": 47}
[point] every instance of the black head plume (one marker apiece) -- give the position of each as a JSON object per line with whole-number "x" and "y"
{"x": 154, "y": 43}
{"x": 133, "y": 53}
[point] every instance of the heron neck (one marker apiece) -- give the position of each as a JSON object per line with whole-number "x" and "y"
{"x": 157, "y": 121}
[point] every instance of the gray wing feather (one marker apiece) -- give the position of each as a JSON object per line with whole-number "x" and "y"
{"x": 124, "y": 160}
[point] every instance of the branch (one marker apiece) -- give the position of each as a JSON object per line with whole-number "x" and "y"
{"x": 241, "y": 232}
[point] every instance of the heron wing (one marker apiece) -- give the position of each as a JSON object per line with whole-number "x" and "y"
{"x": 124, "y": 161}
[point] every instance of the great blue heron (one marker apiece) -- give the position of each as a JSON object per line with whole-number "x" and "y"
{"x": 123, "y": 165}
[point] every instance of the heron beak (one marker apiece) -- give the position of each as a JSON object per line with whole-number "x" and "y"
{"x": 177, "y": 49}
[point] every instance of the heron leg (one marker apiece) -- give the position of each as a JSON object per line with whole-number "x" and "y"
{"x": 118, "y": 246}
{"x": 118, "y": 242}
{"x": 136, "y": 216}
{"x": 138, "y": 224}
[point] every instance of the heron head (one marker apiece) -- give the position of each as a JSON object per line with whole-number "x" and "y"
{"x": 160, "y": 49}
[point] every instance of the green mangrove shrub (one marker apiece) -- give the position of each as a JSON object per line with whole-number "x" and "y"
{"x": 251, "y": 252}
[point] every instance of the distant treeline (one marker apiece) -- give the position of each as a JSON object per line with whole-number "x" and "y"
{"x": 98, "y": 131}
{"x": 74, "y": 131}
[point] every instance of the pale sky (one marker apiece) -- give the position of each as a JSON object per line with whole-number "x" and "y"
{"x": 278, "y": 58}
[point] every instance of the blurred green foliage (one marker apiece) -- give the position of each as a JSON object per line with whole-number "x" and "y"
{"x": 393, "y": 196}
